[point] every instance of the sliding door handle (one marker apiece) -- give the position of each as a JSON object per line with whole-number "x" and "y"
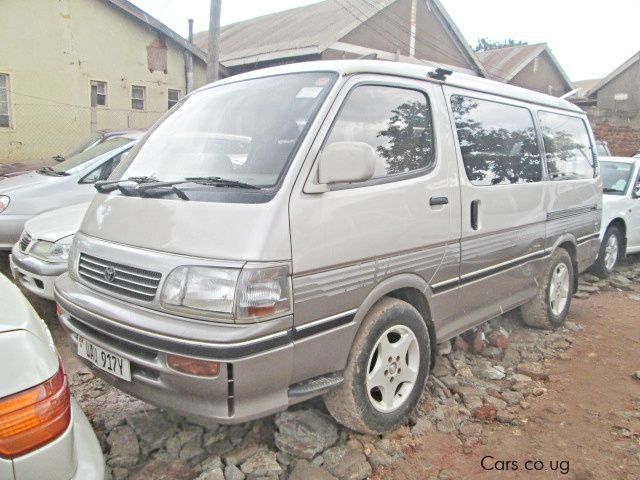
{"x": 434, "y": 201}
{"x": 474, "y": 214}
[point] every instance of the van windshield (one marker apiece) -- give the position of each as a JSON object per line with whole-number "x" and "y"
{"x": 245, "y": 131}
{"x": 615, "y": 177}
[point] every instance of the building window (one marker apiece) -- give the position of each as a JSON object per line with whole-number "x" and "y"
{"x": 98, "y": 93}
{"x": 137, "y": 97}
{"x": 498, "y": 142}
{"x": 396, "y": 122}
{"x": 5, "y": 118}
{"x": 173, "y": 96}
{"x": 567, "y": 146}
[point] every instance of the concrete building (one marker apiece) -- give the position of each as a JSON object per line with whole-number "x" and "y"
{"x": 528, "y": 66}
{"x": 407, "y": 30}
{"x": 68, "y": 67}
{"x": 613, "y": 106}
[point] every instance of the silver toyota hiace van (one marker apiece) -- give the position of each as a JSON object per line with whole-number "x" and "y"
{"x": 319, "y": 228}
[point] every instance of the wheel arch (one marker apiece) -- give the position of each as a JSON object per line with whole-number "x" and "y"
{"x": 409, "y": 288}
{"x": 569, "y": 243}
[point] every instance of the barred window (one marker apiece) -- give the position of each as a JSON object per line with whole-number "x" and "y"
{"x": 138, "y": 97}
{"x": 98, "y": 93}
{"x": 5, "y": 119}
{"x": 173, "y": 97}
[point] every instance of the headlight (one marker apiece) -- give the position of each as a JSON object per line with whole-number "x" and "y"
{"x": 251, "y": 294}
{"x": 4, "y": 202}
{"x": 50, "y": 251}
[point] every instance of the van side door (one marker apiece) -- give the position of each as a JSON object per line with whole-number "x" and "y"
{"x": 575, "y": 193}
{"x": 503, "y": 201}
{"x": 354, "y": 237}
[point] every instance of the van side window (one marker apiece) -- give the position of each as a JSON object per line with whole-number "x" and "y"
{"x": 396, "y": 122}
{"x": 567, "y": 146}
{"x": 498, "y": 142}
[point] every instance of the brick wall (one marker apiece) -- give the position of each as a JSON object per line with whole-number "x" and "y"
{"x": 624, "y": 141}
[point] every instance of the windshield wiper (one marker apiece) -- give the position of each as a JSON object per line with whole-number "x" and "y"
{"x": 220, "y": 181}
{"x": 611, "y": 190}
{"x": 104, "y": 186}
{"x": 58, "y": 158}
{"x": 51, "y": 172}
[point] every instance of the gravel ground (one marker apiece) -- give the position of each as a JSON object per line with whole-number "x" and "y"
{"x": 482, "y": 380}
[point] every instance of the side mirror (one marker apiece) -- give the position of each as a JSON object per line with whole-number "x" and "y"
{"x": 636, "y": 191}
{"x": 346, "y": 162}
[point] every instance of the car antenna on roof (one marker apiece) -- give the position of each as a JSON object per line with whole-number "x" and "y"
{"x": 440, "y": 74}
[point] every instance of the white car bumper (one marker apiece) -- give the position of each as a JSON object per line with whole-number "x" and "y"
{"x": 35, "y": 275}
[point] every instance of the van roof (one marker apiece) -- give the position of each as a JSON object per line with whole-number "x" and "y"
{"x": 350, "y": 67}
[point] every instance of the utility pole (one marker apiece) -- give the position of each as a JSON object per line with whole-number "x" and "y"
{"x": 213, "y": 60}
{"x": 189, "y": 60}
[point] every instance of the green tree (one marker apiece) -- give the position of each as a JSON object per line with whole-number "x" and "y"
{"x": 485, "y": 44}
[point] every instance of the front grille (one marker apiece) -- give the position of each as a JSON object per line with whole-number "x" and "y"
{"x": 117, "y": 278}
{"x": 25, "y": 240}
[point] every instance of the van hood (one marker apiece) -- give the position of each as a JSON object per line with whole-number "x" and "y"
{"x": 56, "y": 224}
{"x": 213, "y": 230}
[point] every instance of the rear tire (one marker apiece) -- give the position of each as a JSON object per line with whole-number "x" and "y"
{"x": 386, "y": 371}
{"x": 609, "y": 254}
{"x": 551, "y": 305}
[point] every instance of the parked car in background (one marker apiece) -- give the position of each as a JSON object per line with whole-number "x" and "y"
{"x": 620, "y": 230}
{"x": 43, "y": 431}
{"x": 93, "y": 140}
{"x": 68, "y": 183}
{"x": 602, "y": 146}
{"x": 381, "y": 208}
{"x": 43, "y": 250}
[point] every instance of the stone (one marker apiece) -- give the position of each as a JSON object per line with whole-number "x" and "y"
{"x": 307, "y": 471}
{"x": 231, "y": 472}
{"x": 240, "y": 454}
{"x": 263, "y": 463}
{"x": 479, "y": 342}
{"x": 153, "y": 428}
{"x": 590, "y": 278}
{"x": 163, "y": 470}
{"x": 574, "y": 327}
{"x": 533, "y": 370}
{"x": 498, "y": 338}
{"x": 519, "y": 378}
{"x": 581, "y": 295}
{"x": 347, "y": 464}
{"x": 496, "y": 402}
{"x": 210, "y": 463}
{"x": 190, "y": 434}
{"x": 119, "y": 473}
{"x": 492, "y": 352}
{"x": 304, "y": 433}
{"x": 588, "y": 288}
{"x": 511, "y": 357}
{"x": 491, "y": 373}
{"x": 486, "y": 412}
{"x": 636, "y": 375}
{"x": 380, "y": 458}
{"x": 460, "y": 344}
{"x": 503, "y": 416}
{"x": 423, "y": 425}
{"x": 444, "y": 348}
{"x": 214, "y": 474}
{"x": 512, "y": 398}
{"x": 124, "y": 447}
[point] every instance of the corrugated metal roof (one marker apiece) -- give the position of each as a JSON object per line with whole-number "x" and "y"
{"x": 622, "y": 68}
{"x": 298, "y": 31}
{"x": 505, "y": 63}
{"x": 308, "y": 30}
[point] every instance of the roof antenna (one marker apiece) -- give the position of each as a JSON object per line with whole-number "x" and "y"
{"x": 440, "y": 74}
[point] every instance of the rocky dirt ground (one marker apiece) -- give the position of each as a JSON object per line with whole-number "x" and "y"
{"x": 504, "y": 401}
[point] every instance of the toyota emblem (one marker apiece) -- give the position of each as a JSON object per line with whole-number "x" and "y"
{"x": 109, "y": 274}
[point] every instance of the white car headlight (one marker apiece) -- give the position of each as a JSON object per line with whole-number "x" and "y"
{"x": 4, "y": 202}
{"x": 250, "y": 295}
{"x": 50, "y": 251}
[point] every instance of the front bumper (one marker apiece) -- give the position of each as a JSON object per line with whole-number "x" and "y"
{"x": 255, "y": 360}
{"x": 10, "y": 229}
{"x": 34, "y": 274}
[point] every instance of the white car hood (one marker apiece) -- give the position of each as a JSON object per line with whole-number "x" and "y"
{"x": 56, "y": 224}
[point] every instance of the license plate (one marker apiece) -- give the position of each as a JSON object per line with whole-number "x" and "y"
{"x": 104, "y": 359}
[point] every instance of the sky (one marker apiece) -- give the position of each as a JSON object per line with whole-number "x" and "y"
{"x": 590, "y": 38}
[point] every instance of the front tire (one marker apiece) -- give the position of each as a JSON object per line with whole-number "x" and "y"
{"x": 609, "y": 254}
{"x": 551, "y": 305}
{"x": 386, "y": 371}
